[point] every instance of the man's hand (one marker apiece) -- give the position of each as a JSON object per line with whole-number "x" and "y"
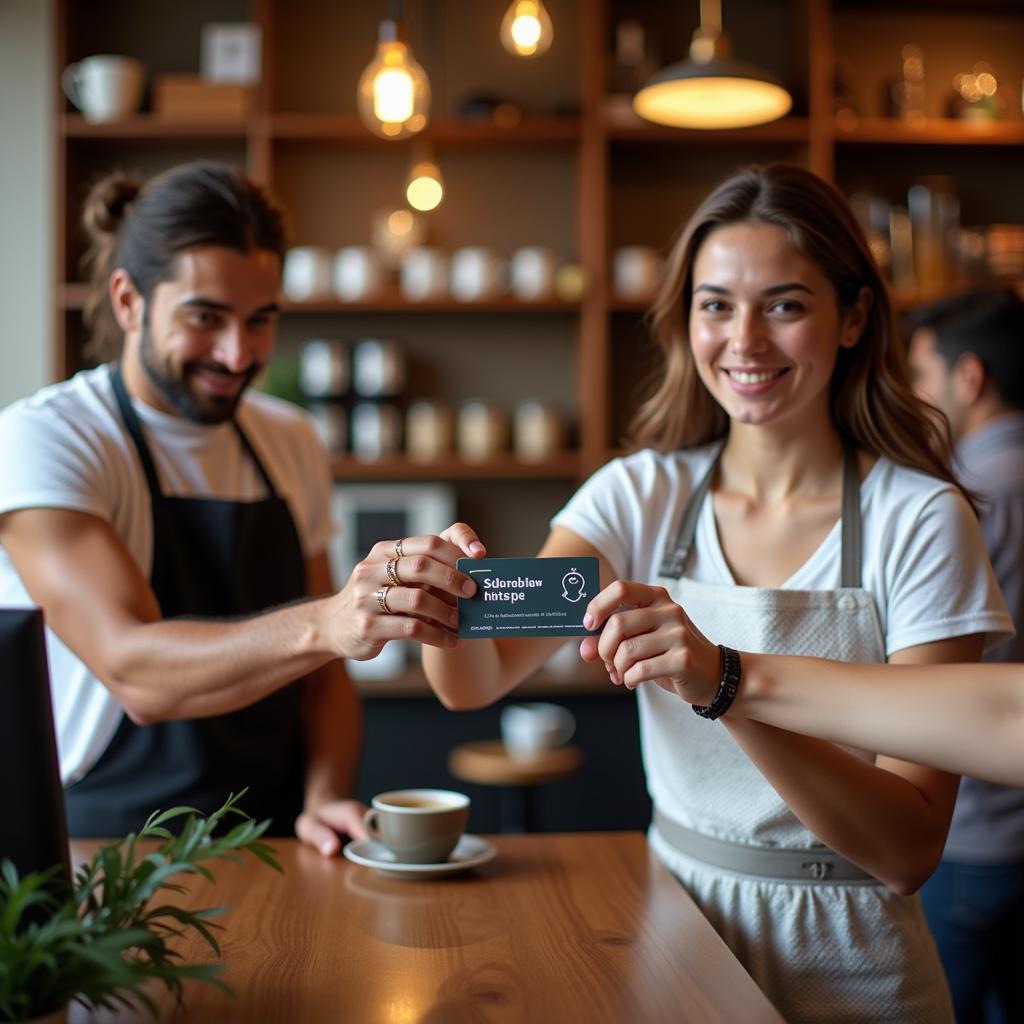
{"x": 322, "y": 825}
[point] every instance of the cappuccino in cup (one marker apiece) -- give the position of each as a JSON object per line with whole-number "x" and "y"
{"x": 419, "y": 826}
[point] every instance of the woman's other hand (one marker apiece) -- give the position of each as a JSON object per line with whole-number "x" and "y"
{"x": 646, "y": 635}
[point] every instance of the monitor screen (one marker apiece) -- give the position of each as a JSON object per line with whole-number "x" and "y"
{"x": 33, "y": 832}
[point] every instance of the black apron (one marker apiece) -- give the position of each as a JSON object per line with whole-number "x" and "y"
{"x": 211, "y": 559}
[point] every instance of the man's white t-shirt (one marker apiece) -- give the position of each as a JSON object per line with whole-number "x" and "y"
{"x": 923, "y": 556}
{"x": 67, "y": 447}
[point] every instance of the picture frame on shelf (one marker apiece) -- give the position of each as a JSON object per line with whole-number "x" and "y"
{"x": 364, "y": 514}
{"x": 230, "y": 51}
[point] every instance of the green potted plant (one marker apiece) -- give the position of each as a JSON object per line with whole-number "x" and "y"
{"x": 107, "y": 938}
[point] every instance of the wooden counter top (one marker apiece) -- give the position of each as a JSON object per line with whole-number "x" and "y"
{"x": 567, "y": 929}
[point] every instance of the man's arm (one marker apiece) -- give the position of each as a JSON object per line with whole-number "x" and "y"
{"x": 96, "y": 600}
{"x": 333, "y": 725}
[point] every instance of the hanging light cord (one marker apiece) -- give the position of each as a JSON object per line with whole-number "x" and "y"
{"x": 711, "y": 16}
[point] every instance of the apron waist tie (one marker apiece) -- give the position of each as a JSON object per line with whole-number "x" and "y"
{"x": 816, "y": 865}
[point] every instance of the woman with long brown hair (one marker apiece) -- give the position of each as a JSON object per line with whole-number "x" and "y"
{"x": 792, "y": 497}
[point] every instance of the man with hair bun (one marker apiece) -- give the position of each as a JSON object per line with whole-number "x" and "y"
{"x": 172, "y": 523}
{"x": 967, "y": 359}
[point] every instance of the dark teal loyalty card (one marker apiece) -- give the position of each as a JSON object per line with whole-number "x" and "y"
{"x": 527, "y": 596}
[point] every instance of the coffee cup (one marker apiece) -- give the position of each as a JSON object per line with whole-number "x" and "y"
{"x": 532, "y": 273}
{"x": 529, "y": 729}
{"x": 482, "y": 430}
{"x": 477, "y": 274}
{"x": 538, "y": 431}
{"x": 307, "y": 273}
{"x": 419, "y": 826}
{"x": 424, "y": 274}
{"x": 357, "y": 273}
{"x": 636, "y": 271}
{"x": 105, "y": 87}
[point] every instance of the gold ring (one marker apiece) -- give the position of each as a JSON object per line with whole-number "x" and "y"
{"x": 382, "y": 600}
{"x": 398, "y": 548}
{"x": 392, "y": 570}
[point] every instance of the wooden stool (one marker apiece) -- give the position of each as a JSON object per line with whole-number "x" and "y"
{"x": 487, "y": 763}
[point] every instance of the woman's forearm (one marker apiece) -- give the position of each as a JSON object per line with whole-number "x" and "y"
{"x": 967, "y": 719}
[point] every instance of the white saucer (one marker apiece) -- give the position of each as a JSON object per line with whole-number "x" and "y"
{"x": 470, "y": 852}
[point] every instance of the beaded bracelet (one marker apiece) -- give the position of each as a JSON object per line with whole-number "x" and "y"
{"x": 727, "y": 687}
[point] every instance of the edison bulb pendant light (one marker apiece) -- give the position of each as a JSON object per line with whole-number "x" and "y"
{"x": 424, "y": 189}
{"x": 394, "y": 93}
{"x": 526, "y": 29}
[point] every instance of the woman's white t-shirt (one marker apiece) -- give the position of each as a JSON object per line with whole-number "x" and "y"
{"x": 66, "y": 447}
{"x": 923, "y": 556}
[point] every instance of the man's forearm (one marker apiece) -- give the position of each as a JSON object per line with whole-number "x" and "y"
{"x": 183, "y": 668}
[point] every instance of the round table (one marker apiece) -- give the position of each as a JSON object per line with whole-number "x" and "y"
{"x": 488, "y": 763}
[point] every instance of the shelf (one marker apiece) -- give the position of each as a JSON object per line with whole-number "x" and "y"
{"x": 934, "y": 132}
{"x": 395, "y": 303}
{"x": 338, "y": 128}
{"x": 148, "y": 127}
{"x": 323, "y": 128}
{"x": 346, "y": 469}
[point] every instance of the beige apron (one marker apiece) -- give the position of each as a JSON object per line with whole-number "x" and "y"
{"x": 829, "y": 951}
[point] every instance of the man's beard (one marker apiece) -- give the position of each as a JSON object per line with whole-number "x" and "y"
{"x": 175, "y": 391}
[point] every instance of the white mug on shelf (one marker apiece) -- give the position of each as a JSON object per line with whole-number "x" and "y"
{"x": 429, "y": 431}
{"x": 478, "y": 274}
{"x": 357, "y": 273}
{"x": 378, "y": 368}
{"x": 324, "y": 368}
{"x": 376, "y": 431}
{"x": 529, "y": 729}
{"x": 307, "y": 273}
{"x": 106, "y": 87}
{"x": 532, "y": 273}
{"x": 538, "y": 431}
{"x": 424, "y": 274}
{"x": 636, "y": 271}
{"x": 482, "y": 430}
{"x": 331, "y": 422}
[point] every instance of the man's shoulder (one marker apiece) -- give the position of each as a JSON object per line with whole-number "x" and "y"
{"x": 82, "y": 402}
{"x": 259, "y": 408}
{"x": 279, "y": 426}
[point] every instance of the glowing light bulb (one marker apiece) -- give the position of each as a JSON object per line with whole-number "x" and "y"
{"x": 394, "y": 93}
{"x": 425, "y": 187}
{"x": 526, "y": 29}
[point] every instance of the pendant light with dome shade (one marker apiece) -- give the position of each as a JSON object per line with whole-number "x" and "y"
{"x": 394, "y": 93}
{"x": 712, "y": 90}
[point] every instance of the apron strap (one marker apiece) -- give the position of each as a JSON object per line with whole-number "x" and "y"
{"x": 851, "y": 543}
{"x": 260, "y": 468}
{"x": 677, "y": 556}
{"x": 131, "y": 421}
{"x": 674, "y": 563}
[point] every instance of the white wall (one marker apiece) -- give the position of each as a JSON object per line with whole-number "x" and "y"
{"x": 27, "y": 82}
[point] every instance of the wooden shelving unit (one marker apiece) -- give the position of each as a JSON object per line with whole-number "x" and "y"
{"x": 574, "y": 173}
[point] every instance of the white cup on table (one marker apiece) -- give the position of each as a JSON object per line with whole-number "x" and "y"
{"x": 527, "y": 730}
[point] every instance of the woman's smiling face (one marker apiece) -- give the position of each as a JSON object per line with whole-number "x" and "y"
{"x": 765, "y": 326}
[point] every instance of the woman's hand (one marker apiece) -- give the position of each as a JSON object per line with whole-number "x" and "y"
{"x": 405, "y": 590}
{"x": 651, "y": 638}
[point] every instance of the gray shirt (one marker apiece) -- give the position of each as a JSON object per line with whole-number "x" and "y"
{"x": 988, "y": 823}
